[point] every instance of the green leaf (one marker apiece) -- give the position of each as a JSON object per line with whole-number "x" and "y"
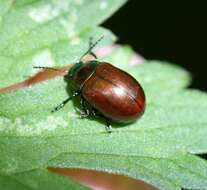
{"x": 55, "y": 32}
{"x": 159, "y": 148}
{"x": 43, "y": 33}
{"x": 37, "y": 179}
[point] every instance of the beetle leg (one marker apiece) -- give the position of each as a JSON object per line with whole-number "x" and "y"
{"x": 85, "y": 111}
{"x": 63, "y": 103}
{"x": 94, "y": 112}
{"x": 108, "y": 126}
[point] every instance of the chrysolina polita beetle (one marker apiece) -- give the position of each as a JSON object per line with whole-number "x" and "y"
{"x": 112, "y": 93}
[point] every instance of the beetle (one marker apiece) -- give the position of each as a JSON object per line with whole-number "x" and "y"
{"x": 111, "y": 92}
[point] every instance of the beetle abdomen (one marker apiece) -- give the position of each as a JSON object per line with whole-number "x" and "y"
{"x": 115, "y": 93}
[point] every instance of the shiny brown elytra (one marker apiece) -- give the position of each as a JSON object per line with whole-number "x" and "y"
{"x": 111, "y": 91}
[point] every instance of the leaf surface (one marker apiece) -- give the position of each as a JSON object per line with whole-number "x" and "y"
{"x": 159, "y": 148}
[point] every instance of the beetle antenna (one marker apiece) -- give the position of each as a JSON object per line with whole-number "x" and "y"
{"x": 92, "y": 45}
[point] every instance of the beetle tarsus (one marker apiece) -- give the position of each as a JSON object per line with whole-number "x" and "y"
{"x": 58, "y": 107}
{"x": 108, "y": 126}
{"x": 84, "y": 112}
{"x": 63, "y": 103}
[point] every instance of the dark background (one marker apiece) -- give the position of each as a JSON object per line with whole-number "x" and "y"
{"x": 174, "y": 31}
